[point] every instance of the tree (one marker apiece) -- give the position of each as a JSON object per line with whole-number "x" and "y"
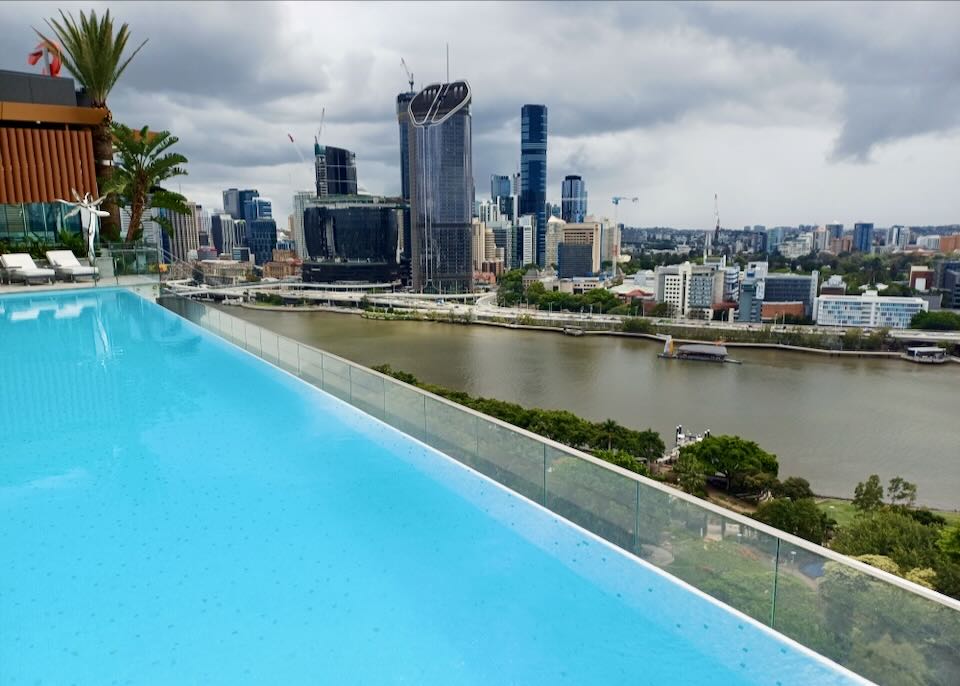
{"x": 794, "y": 488}
{"x": 799, "y": 517}
{"x": 901, "y": 492}
{"x": 143, "y": 163}
{"x": 868, "y": 495}
{"x": 904, "y": 540}
{"x": 662, "y": 310}
{"x": 949, "y": 542}
{"x": 690, "y": 474}
{"x": 94, "y": 53}
{"x": 733, "y": 458}
{"x": 608, "y": 430}
{"x": 936, "y": 321}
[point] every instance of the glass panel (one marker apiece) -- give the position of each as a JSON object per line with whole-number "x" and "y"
{"x": 287, "y": 355}
{"x": 311, "y": 366}
{"x": 405, "y": 409}
{"x": 366, "y": 391}
{"x": 596, "y": 498}
{"x": 515, "y": 460}
{"x": 336, "y": 377}
{"x": 868, "y": 625}
{"x": 732, "y": 562}
{"x": 252, "y": 338}
{"x": 268, "y": 344}
{"x": 451, "y": 430}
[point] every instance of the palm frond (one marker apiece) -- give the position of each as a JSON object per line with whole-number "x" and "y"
{"x": 92, "y": 51}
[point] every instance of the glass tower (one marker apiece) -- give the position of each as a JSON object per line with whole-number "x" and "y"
{"x": 336, "y": 170}
{"x": 863, "y": 237}
{"x": 441, "y": 188}
{"x": 533, "y": 171}
{"x": 403, "y": 103}
{"x": 573, "y": 199}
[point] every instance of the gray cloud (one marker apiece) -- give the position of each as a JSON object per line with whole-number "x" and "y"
{"x": 642, "y": 96}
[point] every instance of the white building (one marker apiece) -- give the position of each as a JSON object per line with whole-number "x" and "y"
{"x": 488, "y": 211}
{"x": 928, "y": 242}
{"x": 868, "y": 310}
{"x": 797, "y": 247}
{"x": 301, "y": 201}
{"x": 526, "y": 225}
{"x": 186, "y": 235}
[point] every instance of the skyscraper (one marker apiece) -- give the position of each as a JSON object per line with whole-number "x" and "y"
{"x": 441, "y": 188}
{"x": 256, "y": 208}
{"x": 234, "y": 200}
{"x": 573, "y": 199}
{"x": 863, "y": 237}
{"x": 262, "y": 239}
{"x": 336, "y": 170}
{"x": 403, "y": 118}
{"x": 533, "y": 171}
{"x": 499, "y": 186}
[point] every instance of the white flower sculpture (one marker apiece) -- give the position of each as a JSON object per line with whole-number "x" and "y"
{"x": 86, "y": 206}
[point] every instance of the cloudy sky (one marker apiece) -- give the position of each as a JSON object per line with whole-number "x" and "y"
{"x": 792, "y": 113}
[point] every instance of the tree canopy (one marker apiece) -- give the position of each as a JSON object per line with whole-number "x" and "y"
{"x": 734, "y": 458}
{"x": 799, "y": 517}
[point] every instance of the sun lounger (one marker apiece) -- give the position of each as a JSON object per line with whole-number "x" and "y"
{"x": 19, "y": 266}
{"x": 66, "y": 265}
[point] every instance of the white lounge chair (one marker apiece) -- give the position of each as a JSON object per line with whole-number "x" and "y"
{"x": 66, "y": 265}
{"x": 19, "y": 266}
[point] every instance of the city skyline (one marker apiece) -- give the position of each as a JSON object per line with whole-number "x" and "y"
{"x": 777, "y": 109}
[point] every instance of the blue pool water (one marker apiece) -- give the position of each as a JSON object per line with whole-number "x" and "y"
{"x": 175, "y": 511}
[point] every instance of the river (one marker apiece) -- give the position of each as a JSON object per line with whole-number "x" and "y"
{"x": 833, "y": 421}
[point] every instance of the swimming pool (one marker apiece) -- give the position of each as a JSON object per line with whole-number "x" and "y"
{"x": 174, "y": 510}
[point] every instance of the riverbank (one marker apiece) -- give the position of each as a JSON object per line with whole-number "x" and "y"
{"x": 833, "y": 419}
{"x": 530, "y": 322}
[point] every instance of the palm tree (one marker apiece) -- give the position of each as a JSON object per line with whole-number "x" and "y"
{"x": 609, "y": 430}
{"x": 142, "y": 164}
{"x": 94, "y": 54}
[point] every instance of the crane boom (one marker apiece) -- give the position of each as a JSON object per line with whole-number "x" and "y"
{"x": 403, "y": 63}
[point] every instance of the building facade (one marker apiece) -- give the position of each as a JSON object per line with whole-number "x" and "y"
{"x": 335, "y": 170}
{"x": 234, "y": 201}
{"x": 868, "y": 310}
{"x": 186, "y": 236}
{"x": 585, "y": 234}
{"x": 403, "y": 120}
{"x": 573, "y": 199}
{"x": 360, "y": 232}
{"x": 46, "y": 152}
{"x": 261, "y": 239}
{"x": 533, "y": 171}
{"x": 553, "y": 239}
{"x": 441, "y": 188}
{"x": 862, "y": 237}
{"x": 783, "y": 288}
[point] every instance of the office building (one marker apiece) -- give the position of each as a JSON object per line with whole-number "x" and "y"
{"x": 950, "y": 244}
{"x": 441, "y": 187}
{"x": 499, "y": 186}
{"x": 868, "y": 310}
{"x": 403, "y": 119}
{"x": 505, "y": 241}
{"x": 533, "y": 172}
{"x": 487, "y": 211}
{"x": 609, "y": 241}
{"x": 257, "y": 208}
{"x": 862, "y": 237}
{"x": 527, "y": 239}
{"x": 46, "y": 151}
{"x": 950, "y": 284}
{"x": 336, "y": 170}
{"x": 185, "y": 238}
{"x": 787, "y": 288}
{"x": 583, "y": 260}
{"x": 834, "y": 230}
{"x": 261, "y": 239}
{"x": 355, "y": 231}
{"x": 234, "y": 201}
{"x": 573, "y": 199}
{"x": 553, "y": 239}
{"x": 821, "y": 239}
{"x": 223, "y": 233}
{"x": 898, "y": 236}
{"x": 750, "y": 305}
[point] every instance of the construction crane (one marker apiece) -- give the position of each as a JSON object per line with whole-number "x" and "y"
{"x": 403, "y": 64}
{"x": 323, "y": 115}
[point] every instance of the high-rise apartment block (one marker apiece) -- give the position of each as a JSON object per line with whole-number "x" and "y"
{"x": 441, "y": 188}
{"x": 403, "y": 119}
{"x": 533, "y": 171}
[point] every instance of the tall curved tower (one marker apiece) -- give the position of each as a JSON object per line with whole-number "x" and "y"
{"x": 441, "y": 188}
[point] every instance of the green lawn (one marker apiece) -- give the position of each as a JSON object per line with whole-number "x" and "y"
{"x": 844, "y": 512}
